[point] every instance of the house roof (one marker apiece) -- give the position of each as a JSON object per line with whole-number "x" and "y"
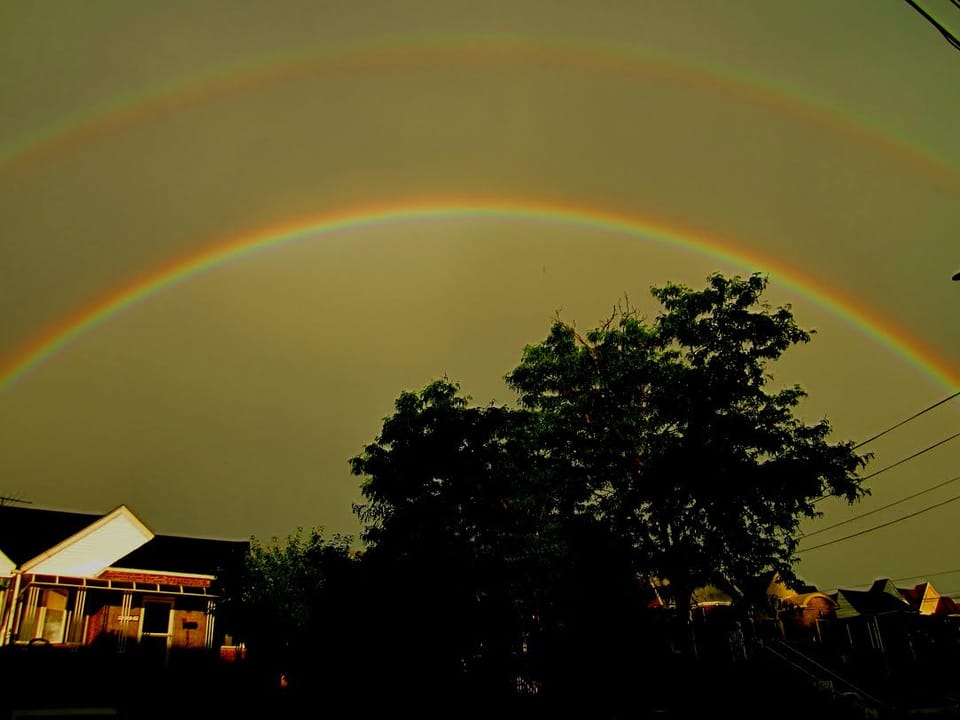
{"x": 174, "y": 553}
{"x": 926, "y": 600}
{"x": 914, "y": 595}
{"x": 946, "y": 606}
{"x": 89, "y": 551}
{"x": 874, "y": 601}
{"x": 26, "y": 532}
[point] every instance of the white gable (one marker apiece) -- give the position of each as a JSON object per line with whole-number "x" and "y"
{"x": 931, "y": 598}
{"x": 94, "y": 548}
{"x": 7, "y": 566}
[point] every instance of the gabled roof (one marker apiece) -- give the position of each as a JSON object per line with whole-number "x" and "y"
{"x": 719, "y": 592}
{"x": 83, "y": 544}
{"x": 95, "y": 547}
{"x": 711, "y": 595}
{"x": 877, "y": 600}
{"x": 885, "y": 585}
{"x": 927, "y": 601}
{"x": 26, "y": 532}
{"x": 946, "y": 606}
{"x": 770, "y": 585}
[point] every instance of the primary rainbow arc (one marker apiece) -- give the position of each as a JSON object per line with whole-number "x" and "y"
{"x": 84, "y": 320}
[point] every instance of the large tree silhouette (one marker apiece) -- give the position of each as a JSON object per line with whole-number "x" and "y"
{"x": 673, "y": 433}
{"x": 639, "y": 448}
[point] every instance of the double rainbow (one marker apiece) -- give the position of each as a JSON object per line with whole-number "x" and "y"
{"x": 490, "y": 52}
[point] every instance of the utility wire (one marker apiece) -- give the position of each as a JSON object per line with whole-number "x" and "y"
{"x": 899, "y": 424}
{"x": 912, "y": 417}
{"x": 911, "y": 457}
{"x": 928, "y": 575}
{"x": 900, "y": 462}
{"x": 948, "y": 36}
{"x": 911, "y": 577}
{"x": 882, "y": 507}
{"x": 882, "y": 525}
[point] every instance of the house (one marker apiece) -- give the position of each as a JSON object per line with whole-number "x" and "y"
{"x": 793, "y": 613}
{"x": 864, "y": 613}
{"x": 108, "y": 581}
{"x": 927, "y": 601}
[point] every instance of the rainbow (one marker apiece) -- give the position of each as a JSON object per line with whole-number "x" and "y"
{"x": 56, "y": 338}
{"x": 491, "y": 51}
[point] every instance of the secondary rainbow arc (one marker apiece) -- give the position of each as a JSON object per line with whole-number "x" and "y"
{"x": 497, "y": 48}
{"x": 84, "y": 320}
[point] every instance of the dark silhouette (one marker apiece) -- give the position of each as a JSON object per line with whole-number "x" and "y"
{"x": 514, "y": 540}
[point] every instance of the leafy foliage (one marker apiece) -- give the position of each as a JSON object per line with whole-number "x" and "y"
{"x": 283, "y": 601}
{"x": 451, "y": 516}
{"x": 669, "y": 431}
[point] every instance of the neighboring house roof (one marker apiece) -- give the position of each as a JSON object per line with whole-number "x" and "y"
{"x": 927, "y": 601}
{"x": 946, "y": 606}
{"x": 882, "y": 597}
{"x": 174, "y": 553}
{"x": 885, "y": 585}
{"x": 718, "y": 593}
{"x": 812, "y": 599}
{"x": 771, "y": 585}
{"x": 711, "y": 595}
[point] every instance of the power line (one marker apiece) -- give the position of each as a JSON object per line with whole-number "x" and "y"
{"x": 947, "y": 35}
{"x": 882, "y": 507}
{"x": 900, "y": 462}
{"x": 912, "y": 417}
{"x": 928, "y": 575}
{"x": 911, "y": 457}
{"x": 882, "y": 525}
{"x": 912, "y": 577}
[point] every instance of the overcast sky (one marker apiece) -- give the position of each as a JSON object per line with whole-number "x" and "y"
{"x": 812, "y": 141}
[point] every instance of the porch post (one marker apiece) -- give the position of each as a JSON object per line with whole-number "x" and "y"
{"x": 28, "y": 624}
{"x": 126, "y": 606}
{"x": 75, "y": 632}
{"x": 208, "y": 631}
{"x": 10, "y": 612}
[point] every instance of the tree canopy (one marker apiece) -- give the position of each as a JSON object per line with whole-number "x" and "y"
{"x": 672, "y": 432}
{"x": 287, "y": 596}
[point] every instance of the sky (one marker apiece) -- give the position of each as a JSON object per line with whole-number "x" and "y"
{"x": 234, "y": 232}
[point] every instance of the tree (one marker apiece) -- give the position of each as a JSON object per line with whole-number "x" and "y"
{"x": 285, "y": 601}
{"x": 671, "y": 433}
{"x": 453, "y": 529}
{"x": 653, "y": 449}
